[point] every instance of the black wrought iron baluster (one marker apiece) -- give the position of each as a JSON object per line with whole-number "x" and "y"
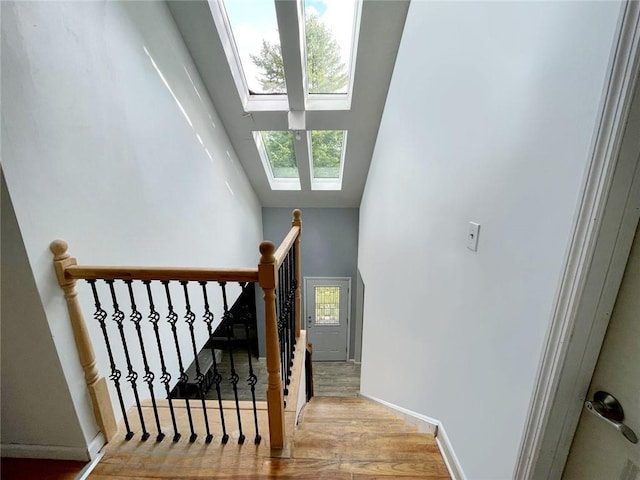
{"x": 217, "y": 378}
{"x": 281, "y": 333}
{"x": 252, "y": 380}
{"x": 136, "y": 318}
{"x": 172, "y": 318}
{"x": 132, "y": 375}
{"x": 190, "y": 318}
{"x": 292, "y": 308}
{"x": 234, "y": 378}
{"x": 288, "y": 311}
{"x": 294, "y": 288}
{"x": 279, "y": 306}
{"x": 100, "y": 315}
{"x": 285, "y": 314}
{"x": 165, "y": 378}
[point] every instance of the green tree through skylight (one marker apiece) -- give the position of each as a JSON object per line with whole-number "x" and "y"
{"x": 326, "y": 71}
{"x": 326, "y": 74}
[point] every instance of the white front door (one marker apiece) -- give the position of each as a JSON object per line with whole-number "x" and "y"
{"x": 327, "y": 317}
{"x": 600, "y": 450}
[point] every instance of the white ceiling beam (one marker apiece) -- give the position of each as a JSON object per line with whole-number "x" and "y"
{"x": 289, "y": 15}
{"x": 292, "y": 43}
{"x": 301, "y": 149}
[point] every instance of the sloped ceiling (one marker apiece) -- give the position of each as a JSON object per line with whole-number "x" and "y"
{"x": 381, "y": 28}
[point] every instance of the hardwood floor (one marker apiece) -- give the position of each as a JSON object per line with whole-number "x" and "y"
{"x": 337, "y": 438}
{"x": 331, "y": 379}
{"x": 336, "y": 379}
{"x": 35, "y": 469}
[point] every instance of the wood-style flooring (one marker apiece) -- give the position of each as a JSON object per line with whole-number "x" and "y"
{"x": 337, "y": 438}
{"x": 336, "y": 379}
{"x": 36, "y": 469}
{"x": 331, "y": 379}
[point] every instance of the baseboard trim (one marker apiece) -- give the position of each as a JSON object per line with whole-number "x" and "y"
{"x": 95, "y": 446}
{"x": 449, "y": 456}
{"x": 88, "y": 468}
{"x": 427, "y": 425}
{"x": 54, "y": 452}
{"x": 50, "y": 452}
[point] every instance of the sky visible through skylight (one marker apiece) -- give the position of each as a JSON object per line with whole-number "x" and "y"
{"x": 254, "y": 21}
{"x": 337, "y": 16}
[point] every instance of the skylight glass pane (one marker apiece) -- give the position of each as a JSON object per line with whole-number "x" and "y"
{"x": 327, "y": 147}
{"x": 329, "y": 31}
{"x": 254, "y": 28}
{"x": 279, "y": 149}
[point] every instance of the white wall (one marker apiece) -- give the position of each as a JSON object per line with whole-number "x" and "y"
{"x": 110, "y": 142}
{"x": 31, "y": 370}
{"x": 489, "y": 118}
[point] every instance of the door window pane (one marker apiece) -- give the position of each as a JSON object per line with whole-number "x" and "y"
{"x": 327, "y": 305}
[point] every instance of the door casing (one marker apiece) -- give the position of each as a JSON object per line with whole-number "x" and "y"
{"x": 603, "y": 233}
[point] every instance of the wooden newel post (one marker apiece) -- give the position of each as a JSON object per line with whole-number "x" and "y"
{"x": 297, "y": 222}
{"x": 96, "y": 384}
{"x": 268, "y": 279}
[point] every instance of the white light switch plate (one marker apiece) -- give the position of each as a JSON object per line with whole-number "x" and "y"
{"x": 472, "y": 236}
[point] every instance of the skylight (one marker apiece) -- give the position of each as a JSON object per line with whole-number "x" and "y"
{"x": 276, "y": 151}
{"x": 293, "y": 56}
{"x": 330, "y": 31}
{"x": 253, "y": 28}
{"x": 327, "y": 159}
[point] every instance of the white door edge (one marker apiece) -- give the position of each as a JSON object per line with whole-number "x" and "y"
{"x": 572, "y": 348}
{"x": 306, "y": 315}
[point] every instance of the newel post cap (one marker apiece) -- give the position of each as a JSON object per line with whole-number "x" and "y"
{"x": 59, "y": 249}
{"x": 297, "y": 218}
{"x": 267, "y": 249}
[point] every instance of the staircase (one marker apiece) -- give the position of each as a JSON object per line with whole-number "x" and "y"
{"x": 336, "y": 438}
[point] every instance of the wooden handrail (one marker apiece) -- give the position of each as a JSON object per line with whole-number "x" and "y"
{"x": 285, "y": 246}
{"x": 88, "y": 272}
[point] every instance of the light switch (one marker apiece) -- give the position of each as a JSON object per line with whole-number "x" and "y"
{"x": 472, "y": 236}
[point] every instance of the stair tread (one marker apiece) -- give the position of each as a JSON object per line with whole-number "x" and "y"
{"x": 355, "y": 426}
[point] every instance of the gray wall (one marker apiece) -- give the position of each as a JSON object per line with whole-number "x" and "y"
{"x": 329, "y": 249}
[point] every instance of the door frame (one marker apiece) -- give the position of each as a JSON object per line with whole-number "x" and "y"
{"x": 594, "y": 264}
{"x": 342, "y": 279}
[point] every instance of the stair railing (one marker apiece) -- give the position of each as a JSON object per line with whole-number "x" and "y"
{"x": 278, "y": 274}
{"x": 279, "y": 277}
